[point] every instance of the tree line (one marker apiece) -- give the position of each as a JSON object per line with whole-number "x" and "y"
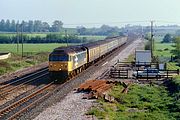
{"x": 30, "y": 26}
{"x": 49, "y": 38}
{"x": 57, "y": 26}
{"x": 104, "y": 30}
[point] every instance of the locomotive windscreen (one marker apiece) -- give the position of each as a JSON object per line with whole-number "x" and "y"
{"x": 61, "y": 57}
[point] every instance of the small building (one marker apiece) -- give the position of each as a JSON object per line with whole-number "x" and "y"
{"x": 142, "y": 57}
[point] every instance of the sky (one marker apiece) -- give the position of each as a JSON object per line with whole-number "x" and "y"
{"x": 92, "y": 12}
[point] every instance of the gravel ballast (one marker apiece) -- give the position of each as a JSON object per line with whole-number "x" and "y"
{"x": 72, "y": 107}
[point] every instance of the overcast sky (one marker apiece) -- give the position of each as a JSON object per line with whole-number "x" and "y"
{"x": 91, "y": 11}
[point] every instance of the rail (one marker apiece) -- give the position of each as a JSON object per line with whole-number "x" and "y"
{"x": 23, "y": 100}
{"x": 5, "y": 84}
{"x": 7, "y": 90}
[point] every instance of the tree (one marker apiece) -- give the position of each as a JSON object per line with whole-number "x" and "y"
{"x": 177, "y": 33}
{"x": 57, "y": 25}
{"x": 167, "y": 38}
{"x": 13, "y": 26}
{"x": 7, "y": 25}
{"x": 81, "y": 30}
{"x": 2, "y": 25}
{"x": 25, "y": 26}
{"x": 30, "y": 26}
{"x": 45, "y": 27}
{"x": 177, "y": 49}
{"x": 37, "y": 26}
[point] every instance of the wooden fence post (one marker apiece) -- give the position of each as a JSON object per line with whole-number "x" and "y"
{"x": 178, "y": 71}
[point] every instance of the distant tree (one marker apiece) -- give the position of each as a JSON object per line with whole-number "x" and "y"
{"x": 7, "y": 25}
{"x": 37, "y": 26}
{"x": 45, "y": 27}
{"x": 25, "y": 26}
{"x": 167, "y": 38}
{"x": 2, "y": 25}
{"x": 177, "y": 33}
{"x": 81, "y": 30}
{"x": 30, "y": 26}
{"x": 177, "y": 45}
{"x": 147, "y": 36}
{"x": 13, "y": 26}
{"x": 147, "y": 45}
{"x": 57, "y": 25}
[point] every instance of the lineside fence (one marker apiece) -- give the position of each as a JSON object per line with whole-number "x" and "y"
{"x": 128, "y": 70}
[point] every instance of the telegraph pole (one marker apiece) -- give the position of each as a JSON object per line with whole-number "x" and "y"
{"x": 17, "y": 32}
{"x": 152, "y": 41}
{"x": 22, "y": 44}
{"x": 66, "y": 37}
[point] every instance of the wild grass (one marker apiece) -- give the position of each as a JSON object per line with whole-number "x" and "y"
{"x": 143, "y": 102}
{"x": 15, "y": 62}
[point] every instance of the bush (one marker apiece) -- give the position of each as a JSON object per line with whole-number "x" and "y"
{"x": 166, "y": 49}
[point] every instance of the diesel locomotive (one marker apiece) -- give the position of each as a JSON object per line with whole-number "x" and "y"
{"x": 66, "y": 62}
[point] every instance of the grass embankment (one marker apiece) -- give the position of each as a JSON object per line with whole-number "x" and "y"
{"x": 143, "y": 102}
{"x": 16, "y": 62}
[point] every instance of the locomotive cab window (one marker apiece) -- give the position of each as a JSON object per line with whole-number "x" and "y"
{"x": 61, "y": 57}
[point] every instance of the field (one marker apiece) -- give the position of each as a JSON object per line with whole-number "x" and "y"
{"x": 28, "y": 34}
{"x": 93, "y": 37}
{"x": 163, "y": 49}
{"x": 164, "y": 52}
{"x": 31, "y": 48}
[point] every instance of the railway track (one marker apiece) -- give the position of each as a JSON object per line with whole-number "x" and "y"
{"x": 15, "y": 81}
{"x": 5, "y": 89}
{"x": 12, "y": 112}
{"x": 33, "y": 98}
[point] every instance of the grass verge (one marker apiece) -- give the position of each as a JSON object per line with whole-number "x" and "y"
{"x": 15, "y": 62}
{"x": 143, "y": 102}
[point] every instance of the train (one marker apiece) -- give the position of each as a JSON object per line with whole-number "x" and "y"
{"x": 67, "y": 62}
